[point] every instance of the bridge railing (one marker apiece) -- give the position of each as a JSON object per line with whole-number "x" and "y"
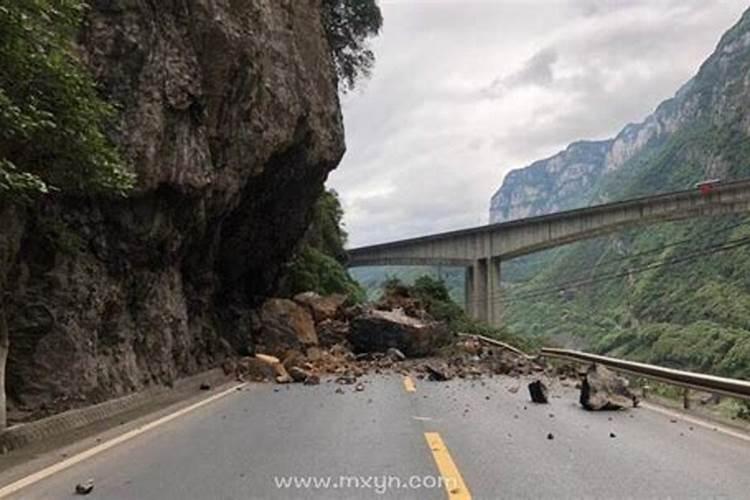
{"x": 689, "y": 380}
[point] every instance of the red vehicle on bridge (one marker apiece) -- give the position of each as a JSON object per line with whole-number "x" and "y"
{"x": 708, "y": 187}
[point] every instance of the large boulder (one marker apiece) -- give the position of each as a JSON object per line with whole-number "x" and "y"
{"x": 602, "y": 389}
{"x": 285, "y": 325}
{"x": 321, "y": 307}
{"x": 332, "y": 332}
{"x": 377, "y": 331}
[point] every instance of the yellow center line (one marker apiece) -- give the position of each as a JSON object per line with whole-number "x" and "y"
{"x": 452, "y": 480}
{"x": 409, "y": 384}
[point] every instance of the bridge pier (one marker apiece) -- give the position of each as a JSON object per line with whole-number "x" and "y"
{"x": 483, "y": 294}
{"x": 469, "y": 291}
{"x": 480, "y": 289}
{"x": 494, "y": 294}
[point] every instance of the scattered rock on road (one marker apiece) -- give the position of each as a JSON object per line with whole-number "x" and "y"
{"x": 538, "y": 392}
{"x": 395, "y": 354}
{"x": 298, "y": 374}
{"x": 85, "y": 488}
{"x": 282, "y": 376}
{"x": 302, "y": 340}
{"x": 438, "y": 371}
{"x": 602, "y": 389}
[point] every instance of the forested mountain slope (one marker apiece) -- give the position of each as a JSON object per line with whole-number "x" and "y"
{"x": 677, "y": 294}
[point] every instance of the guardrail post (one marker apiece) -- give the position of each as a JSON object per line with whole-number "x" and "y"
{"x": 686, "y": 398}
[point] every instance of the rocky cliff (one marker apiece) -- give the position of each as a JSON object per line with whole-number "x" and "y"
{"x": 561, "y": 182}
{"x": 228, "y": 112}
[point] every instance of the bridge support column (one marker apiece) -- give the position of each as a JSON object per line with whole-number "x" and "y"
{"x": 494, "y": 294}
{"x": 483, "y": 295}
{"x": 469, "y": 299}
{"x": 479, "y": 294}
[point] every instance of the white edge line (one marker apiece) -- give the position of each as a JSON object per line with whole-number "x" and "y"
{"x": 59, "y": 466}
{"x": 697, "y": 421}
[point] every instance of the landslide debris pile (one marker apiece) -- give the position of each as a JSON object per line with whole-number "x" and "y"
{"x": 310, "y": 336}
{"x": 304, "y": 339}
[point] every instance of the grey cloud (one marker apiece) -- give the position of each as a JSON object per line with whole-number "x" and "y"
{"x": 537, "y": 70}
{"x": 425, "y": 150}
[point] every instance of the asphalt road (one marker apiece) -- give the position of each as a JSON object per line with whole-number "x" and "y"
{"x": 372, "y": 444}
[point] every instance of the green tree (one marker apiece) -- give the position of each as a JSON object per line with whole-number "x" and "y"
{"x": 349, "y": 24}
{"x": 52, "y": 122}
{"x": 319, "y": 264}
{"x": 326, "y": 231}
{"x": 51, "y": 117}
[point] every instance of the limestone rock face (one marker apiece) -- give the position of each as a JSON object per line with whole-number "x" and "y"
{"x": 560, "y": 182}
{"x": 229, "y": 114}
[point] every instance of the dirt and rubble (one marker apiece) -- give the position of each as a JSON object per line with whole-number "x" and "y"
{"x": 310, "y": 338}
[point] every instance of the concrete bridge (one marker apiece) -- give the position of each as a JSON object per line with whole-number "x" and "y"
{"x": 482, "y": 249}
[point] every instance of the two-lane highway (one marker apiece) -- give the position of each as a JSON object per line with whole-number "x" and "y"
{"x": 389, "y": 441}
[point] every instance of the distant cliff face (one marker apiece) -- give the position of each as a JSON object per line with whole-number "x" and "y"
{"x": 230, "y": 116}
{"x": 584, "y": 173}
{"x": 561, "y": 182}
{"x": 669, "y": 293}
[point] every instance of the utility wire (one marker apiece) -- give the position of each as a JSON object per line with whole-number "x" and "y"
{"x": 561, "y": 286}
{"x": 672, "y": 244}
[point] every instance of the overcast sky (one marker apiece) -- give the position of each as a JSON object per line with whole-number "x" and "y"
{"x": 465, "y": 90}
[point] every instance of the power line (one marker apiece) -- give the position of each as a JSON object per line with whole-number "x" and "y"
{"x": 672, "y": 244}
{"x": 561, "y": 286}
{"x": 688, "y": 258}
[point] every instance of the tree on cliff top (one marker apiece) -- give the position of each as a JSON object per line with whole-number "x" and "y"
{"x": 349, "y": 24}
{"x": 51, "y": 117}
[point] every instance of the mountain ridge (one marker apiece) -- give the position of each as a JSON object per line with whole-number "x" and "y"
{"x": 687, "y": 313}
{"x": 701, "y": 96}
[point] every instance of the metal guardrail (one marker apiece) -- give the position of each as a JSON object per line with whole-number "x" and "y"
{"x": 709, "y": 383}
{"x": 497, "y": 343}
